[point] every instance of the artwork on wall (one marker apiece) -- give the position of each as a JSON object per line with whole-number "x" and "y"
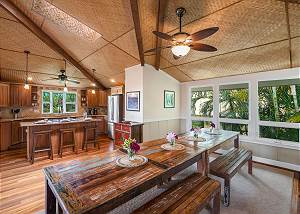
{"x": 169, "y": 99}
{"x": 133, "y": 101}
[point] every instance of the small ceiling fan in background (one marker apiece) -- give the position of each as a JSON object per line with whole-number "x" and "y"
{"x": 182, "y": 42}
{"x": 63, "y": 76}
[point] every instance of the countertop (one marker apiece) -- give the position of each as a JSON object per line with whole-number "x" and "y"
{"x": 57, "y": 122}
{"x": 52, "y": 117}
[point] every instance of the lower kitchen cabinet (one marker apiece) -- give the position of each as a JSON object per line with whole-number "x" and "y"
{"x": 5, "y": 135}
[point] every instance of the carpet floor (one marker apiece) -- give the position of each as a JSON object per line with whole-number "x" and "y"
{"x": 267, "y": 191}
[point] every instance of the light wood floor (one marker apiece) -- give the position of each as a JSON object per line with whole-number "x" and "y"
{"x": 22, "y": 184}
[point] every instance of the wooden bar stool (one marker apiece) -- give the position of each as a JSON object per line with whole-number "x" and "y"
{"x": 62, "y": 142}
{"x": 89, "y": 141}
{"x": 45, "y": 148}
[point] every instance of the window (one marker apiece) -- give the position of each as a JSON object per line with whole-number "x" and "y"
{"x": 200, "y": 124}
{"x": 241, "y": 128}
{"x": 59, "y": 102}
{"x": 279, "y": 105}
{"x": 234, "y": 101}
{"x": 202, "y": 102}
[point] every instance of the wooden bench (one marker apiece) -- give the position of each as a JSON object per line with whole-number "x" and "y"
{"x": 227, "y": 165}
{"x": 189, "y": 196}
{"x": 295, "y": 209}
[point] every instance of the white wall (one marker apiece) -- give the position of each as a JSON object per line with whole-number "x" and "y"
{"x": 134, "y": 82}
{"x": 155, "y": 82}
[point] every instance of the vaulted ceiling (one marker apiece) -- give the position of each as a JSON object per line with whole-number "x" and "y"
{"x": 254, "y": 36}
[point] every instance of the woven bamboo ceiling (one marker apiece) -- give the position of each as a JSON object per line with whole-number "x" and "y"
{"x": 254, "y": 36}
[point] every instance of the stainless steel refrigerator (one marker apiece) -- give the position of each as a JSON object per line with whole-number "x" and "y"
{"x": 115, "y": 112}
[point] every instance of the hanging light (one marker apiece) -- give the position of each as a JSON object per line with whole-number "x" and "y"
{"x": 93, "y": 83}
{"x": 26, "y": 86}
{"x": 65, "y": 88}
{"x": 180, "y": 50}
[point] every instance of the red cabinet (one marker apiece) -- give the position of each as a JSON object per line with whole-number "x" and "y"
{"x": 126, "y": 130}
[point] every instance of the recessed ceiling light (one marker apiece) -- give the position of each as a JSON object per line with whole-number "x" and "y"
{"x": 112, "y": 80}
{"x": 63, "y": 19}
{"x": 93, "y": 84}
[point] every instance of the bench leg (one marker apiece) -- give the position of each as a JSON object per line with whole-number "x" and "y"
{"x": 250, "y": 166}
{"x": 227, "y": 192}
{"x": 216, "y": 203}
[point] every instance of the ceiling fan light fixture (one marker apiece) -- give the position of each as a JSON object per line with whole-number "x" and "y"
{"x": 26, "y": 86}
{"x": 180, "y": 50}
{"x": 65, "y": 88}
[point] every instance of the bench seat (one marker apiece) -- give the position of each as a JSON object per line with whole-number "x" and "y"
{"x": 188, "y": 196}
{"x": 295, "y": 209}
{"x": 227, "y": 165}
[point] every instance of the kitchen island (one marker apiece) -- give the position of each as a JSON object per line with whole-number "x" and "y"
{"x": 55, "y": 125}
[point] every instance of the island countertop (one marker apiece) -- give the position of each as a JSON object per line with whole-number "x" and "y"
{"x": 58, "y": 121}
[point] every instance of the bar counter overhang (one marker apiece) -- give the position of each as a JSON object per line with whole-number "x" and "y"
{"x": 55, "y": 126}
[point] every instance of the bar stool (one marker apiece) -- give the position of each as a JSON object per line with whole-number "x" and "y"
{"x": 89, "y": 141}
{"x": 62, "y": 144}
{"x": 48, "y": 147}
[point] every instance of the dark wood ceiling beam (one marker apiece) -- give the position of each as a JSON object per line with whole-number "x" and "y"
{"x": 162, "y": 4}
{"x": 36, "y": 30}
{"x": 288, "y": 31}
{"x": 137, "y": 28}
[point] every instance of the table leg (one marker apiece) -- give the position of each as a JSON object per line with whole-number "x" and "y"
{"x": 50, "y": 200}
{"x": 203, "y": 164}
{"x": 237, "y": 142}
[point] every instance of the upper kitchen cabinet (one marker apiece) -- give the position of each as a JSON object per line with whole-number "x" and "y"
{"x": 4, "y": 95}
{"x": 19, "y": 96}
{"x": 97, "y": 99}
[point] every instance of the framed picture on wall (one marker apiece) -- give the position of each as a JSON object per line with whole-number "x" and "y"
{"x": 169, "y": 99}
{"x": 133, "y": 101}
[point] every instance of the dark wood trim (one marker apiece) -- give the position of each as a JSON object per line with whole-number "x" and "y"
{"x": 162, "y": 4}
{"x": 286, "y": 6}
{"x": 36, "y": 30}
{"x": 273, "y": 166}
{"x": 230, "y": 52}
{"x": 31, "y": 54}
{"x": 137, "y": 28}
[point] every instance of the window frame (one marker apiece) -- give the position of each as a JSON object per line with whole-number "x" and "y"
{"x": 64, "y": 102}
{"x": 253, "y": 121}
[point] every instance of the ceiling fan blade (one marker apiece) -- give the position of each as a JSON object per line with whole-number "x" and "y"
{"x": 51, "y": 78}
{"x": 73, "y": 81}
{"x": 202, "y": 34}
{"x": 203, "y": 47}
{"x": 154, "y": 49}
{"x": 175, "y": 57}
{"x": 162, "y": 35}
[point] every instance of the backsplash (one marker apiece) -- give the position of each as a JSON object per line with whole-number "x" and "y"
{"x": 32, "y": 112}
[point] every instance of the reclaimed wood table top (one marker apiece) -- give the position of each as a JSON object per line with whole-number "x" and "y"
{"x": 99, "y": 184}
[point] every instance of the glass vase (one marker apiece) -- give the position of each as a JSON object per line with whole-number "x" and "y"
{"x": 130, "y": 154}
{"x": 172, "y": 142}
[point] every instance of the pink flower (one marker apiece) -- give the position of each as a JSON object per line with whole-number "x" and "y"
{"x": 134, "y": 146}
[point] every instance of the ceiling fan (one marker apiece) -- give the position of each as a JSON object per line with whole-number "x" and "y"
{"x": 182, "y": 42}
{"x": 62, "y": 77}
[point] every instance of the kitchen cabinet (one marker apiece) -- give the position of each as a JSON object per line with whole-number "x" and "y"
{"x": 19, "y": 96}
{"x": 99, "y": 99}
{"x": 126, "y": 130}
{"x": 4, "y": 95}
{"x": 18, "y": 133}
{"x": 5, "y": 135}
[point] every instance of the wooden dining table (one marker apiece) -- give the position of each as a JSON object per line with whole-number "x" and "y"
{"x": 97, "y": 184}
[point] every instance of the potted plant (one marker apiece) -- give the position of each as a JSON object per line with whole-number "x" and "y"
{"x": 131, "y": 146}
{"x": 195, "y": 132}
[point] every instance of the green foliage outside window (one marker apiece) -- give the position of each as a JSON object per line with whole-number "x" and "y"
{"x": 241, "y": 128}
{"x": 200, "y": 124}
{"x": 59, "y": 102}
{"x": 202, "y": 103}
{"x": 279, "y": 133}
{"x": 234, "y": 103}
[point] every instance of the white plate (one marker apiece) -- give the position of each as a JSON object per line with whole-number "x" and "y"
{"x": 169, "y": 147}
{"x": 124, "y": 161}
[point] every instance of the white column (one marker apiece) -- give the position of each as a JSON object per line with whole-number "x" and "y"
{"x": 253, "y": 129}
{"x": 216, "y": 105}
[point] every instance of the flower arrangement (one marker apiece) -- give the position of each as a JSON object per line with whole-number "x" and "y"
{"x": 171, "y": 138}
{"x": 131, "y": 146}
{"x": 212, "y": 126}
{"x": 196, "y": 132}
